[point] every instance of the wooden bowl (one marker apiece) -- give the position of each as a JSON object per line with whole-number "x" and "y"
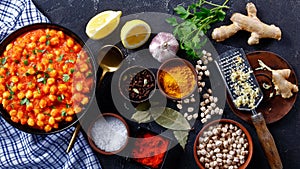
{"x": 91, "y": 141}
{"x": 173, "y": 63}
{"x": 224, "y": 121}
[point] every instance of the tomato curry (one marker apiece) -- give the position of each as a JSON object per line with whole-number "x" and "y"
{"x": 45, "y": 78}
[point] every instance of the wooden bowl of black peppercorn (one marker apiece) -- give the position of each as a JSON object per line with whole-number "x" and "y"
{"x": 137, "y": 84}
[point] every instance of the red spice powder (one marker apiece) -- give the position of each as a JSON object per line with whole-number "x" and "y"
{"x": 150, "y": 150}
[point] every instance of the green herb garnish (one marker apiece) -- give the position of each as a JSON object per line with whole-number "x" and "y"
{"x": 70, "y": 61}
{"x": 42, "y": 79}
{"x": 3, "y": 60}
{"x": 48, "y": 42}
{"x": 196, "y": 22}
{"x": 60, "y": 57}
{"x": 63, "y": 113}
{"x": 66, "y": 77}
{"x": 26, "y": 63}
{"x": 68, "y": 106}
{"x": 25, "y": 101}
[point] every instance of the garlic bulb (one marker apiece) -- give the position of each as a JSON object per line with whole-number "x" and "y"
{"x": 164, "y": 46}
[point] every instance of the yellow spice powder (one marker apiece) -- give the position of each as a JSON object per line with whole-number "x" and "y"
{"x": 177, "y": 81}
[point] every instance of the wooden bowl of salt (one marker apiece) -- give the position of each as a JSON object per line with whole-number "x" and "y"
{"x": 108, "y": 134}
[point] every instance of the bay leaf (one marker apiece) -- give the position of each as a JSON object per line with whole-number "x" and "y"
{"x": 141, "y": 116}
{"x": 181, "y": 136}
{"x": 143, "y": 106}
{"x": 169, "y": 118}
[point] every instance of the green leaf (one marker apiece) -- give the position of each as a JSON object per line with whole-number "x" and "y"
{"x": 196, "y": 18}
{"x": 141, "y": 116}
{"x": 41, "y": 50}
{"x": 181, "y": 136}
{"x": 25, "y": 101}
{"x": 221, "y": 15}
{"x": 60, "y": 57}
{"x": 47, "y": 42}
{"x": 41, "y": 79}
{"x": 70, "y": 61}
{"x": 3, "y": 60}
{"x": 172, "y": 21}
{"x": 182, "y": 12}
{"x": 26, "y": 63}
{"x": 66, "y": 77}
{"x": 143, "y": 106}
{"x": 170, "y": 118}
{"x": 63, "y": 113}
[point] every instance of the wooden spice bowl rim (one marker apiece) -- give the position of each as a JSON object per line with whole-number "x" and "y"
{"x": 92, "y": 143}
{"x": 176, "y": 61}
{"x": 126, "y": 71}
{"x": 228, "y": 121}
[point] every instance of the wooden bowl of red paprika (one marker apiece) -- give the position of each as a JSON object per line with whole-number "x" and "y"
{"x": 177, "y": 78}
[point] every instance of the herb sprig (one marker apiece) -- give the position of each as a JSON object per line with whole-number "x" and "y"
{"x": 197, "y": 20}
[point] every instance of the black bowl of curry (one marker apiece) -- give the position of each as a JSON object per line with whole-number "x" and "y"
{"x": 47, "y": 78}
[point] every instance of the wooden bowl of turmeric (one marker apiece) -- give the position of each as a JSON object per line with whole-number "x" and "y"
{"x": 177, "y": 78}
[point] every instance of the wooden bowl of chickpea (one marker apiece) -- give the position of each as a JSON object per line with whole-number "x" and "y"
{"x": 47, "y": 78}
{"x": 223, "y": 143}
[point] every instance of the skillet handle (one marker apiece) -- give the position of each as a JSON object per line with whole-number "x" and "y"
{"x": 266, "y": 141}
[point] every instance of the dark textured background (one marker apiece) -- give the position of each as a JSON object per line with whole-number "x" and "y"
{"x": 74, "y": 14}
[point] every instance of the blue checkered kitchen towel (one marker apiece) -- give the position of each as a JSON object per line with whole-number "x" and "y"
{"x": 22, "y": 150}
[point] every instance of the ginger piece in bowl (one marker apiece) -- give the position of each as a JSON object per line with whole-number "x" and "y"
{"x": 279, "y": 78}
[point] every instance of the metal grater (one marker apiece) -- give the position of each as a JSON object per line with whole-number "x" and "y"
{"x": 231, "y": 61}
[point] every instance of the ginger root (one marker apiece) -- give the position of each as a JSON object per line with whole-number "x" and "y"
{"x": 248, "y": 23}
{"x": 279, "y": 78}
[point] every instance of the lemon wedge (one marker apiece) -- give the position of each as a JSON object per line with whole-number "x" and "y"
{"x": 103, "y": 24}
{"x": 135, "y": 33}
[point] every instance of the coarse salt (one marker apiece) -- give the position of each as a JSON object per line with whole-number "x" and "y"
{"x": 109, "y": 134}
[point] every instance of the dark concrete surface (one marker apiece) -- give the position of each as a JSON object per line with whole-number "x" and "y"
{"x": 74, "y": 14}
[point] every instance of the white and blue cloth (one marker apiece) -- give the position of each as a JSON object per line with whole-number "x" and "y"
{"x": 22, "y": 150}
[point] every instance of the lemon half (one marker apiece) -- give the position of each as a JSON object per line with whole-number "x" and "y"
{"x": 135, "y": 33}
{"x": 103, "y": 24}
